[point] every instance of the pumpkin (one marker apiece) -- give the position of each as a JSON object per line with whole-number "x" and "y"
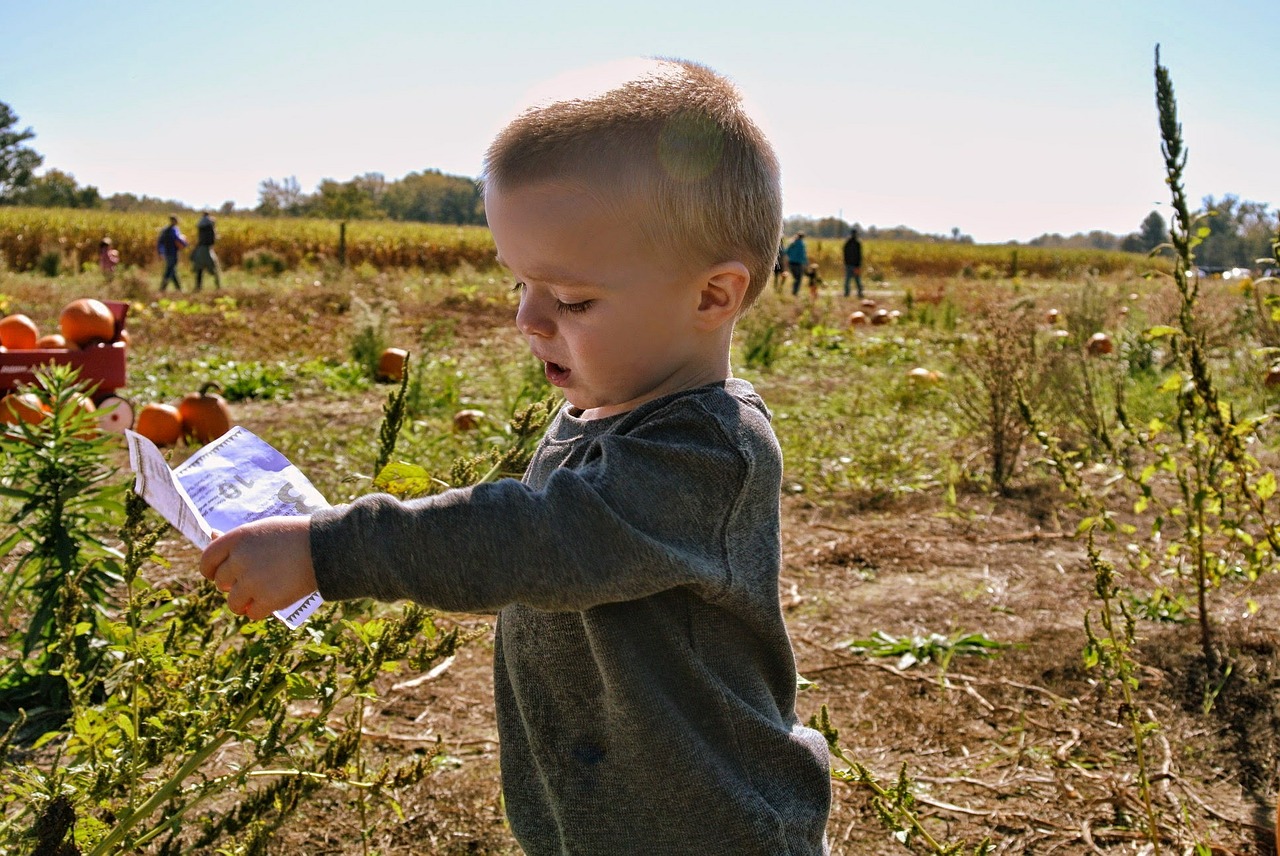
{"x": 391, "y": 364}
{"x": 52, "y": 341}
{"x": 857, "y": 317}
{"x": 1098, "y": 344}
{"x": 1273, "y": 376}
{"x": 881, "y": 317}
{"x": 21, "y": 407}
{"x": 159, "y": 423}
{"x": 467, "y": 420}
{"x": 868, "y": 303}
{"x": 18, "y": 332}
{"x": 84, "y": 320}
{"x": 205, "y": 415}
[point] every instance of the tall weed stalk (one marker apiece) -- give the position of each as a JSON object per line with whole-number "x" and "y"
{"x": 56, "y": 479}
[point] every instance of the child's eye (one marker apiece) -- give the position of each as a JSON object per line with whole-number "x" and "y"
{"x": 580, "y": 306}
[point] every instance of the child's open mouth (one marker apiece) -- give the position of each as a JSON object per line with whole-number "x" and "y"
{"x": 556, "y": 373}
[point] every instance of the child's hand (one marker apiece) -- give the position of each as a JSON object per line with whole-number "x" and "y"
{"x": 262, "y": 566}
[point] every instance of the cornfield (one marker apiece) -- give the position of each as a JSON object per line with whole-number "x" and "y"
{"x": 983, "y": 261}
{"x": 27, "y": 234}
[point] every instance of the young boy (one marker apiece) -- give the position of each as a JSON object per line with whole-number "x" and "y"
{"x": 644, "y": 681}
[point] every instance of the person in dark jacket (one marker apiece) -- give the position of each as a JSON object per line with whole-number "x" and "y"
{"x": 171, "y": 241}
{"x": 797, "y": 261}
{"x": 203, "y": 257}
{"x": 853, "y": 262}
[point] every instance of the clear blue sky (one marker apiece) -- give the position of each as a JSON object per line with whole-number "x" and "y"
{"x": 1007, "y": 118}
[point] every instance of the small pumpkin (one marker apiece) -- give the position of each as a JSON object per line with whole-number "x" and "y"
{"x": 1099, "y": 344}
{"x": 86, "y": 319}
{"x": 391, "y": 363}
{"x": 52, "y": 341}
{"x": 857, "y": 317}
{"x": 18, "y": 332}
{"x": 21, "y": 407}
{"x": 205, "y": 415}
{"x": 159, "y": 423}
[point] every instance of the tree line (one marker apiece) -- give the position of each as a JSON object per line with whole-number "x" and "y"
{"x": 1238, "y": 232}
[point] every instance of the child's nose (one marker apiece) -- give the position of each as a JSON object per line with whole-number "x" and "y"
{"x": 536, "y": 314}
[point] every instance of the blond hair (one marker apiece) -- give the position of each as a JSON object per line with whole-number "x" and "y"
{"x": 679, "y": 142}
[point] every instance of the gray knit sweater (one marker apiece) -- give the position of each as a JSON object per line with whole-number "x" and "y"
{"x": 644, "y": 681}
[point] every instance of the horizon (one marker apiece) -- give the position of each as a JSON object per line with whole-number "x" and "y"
{"x": 1005, "y": 123}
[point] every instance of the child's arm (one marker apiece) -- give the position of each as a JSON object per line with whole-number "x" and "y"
{"x": 262, "y": 566}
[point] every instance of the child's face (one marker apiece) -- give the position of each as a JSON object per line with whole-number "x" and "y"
{"x": 610, "y": 318}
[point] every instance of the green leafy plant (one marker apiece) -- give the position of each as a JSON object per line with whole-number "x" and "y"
{"x": 895, "y": 805}
{"x": 933, "y": 648}
{"x": 144, "y": 762}
{"x": 56, "y": 475}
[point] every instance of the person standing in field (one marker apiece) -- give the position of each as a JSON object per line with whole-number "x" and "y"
{"x": 797, "y": 261}
{"x": 108, "y": 259}
{"x": 644, "y": 681}
{"x": 171, "y": 241}
{"x": 203, "y": 258}
{"x": 853, "y": 262}
{"x": 779, "y": 267}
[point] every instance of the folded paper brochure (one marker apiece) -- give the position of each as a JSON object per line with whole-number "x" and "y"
{"x": 235, "y": 479}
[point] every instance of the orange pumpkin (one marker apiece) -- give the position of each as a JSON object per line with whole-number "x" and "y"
{"x": 159, "y": 423}
{"x": 21, "y": 407}
{"x": 1099, "y": 344}
{"x": 85, "y": 320}
{"x": 205, "y": 415}
{"x": 857, "y": 317}
{"x": 18, "y": 332}
{"x": 391, "y": 364}
{"x": 52, "y": 341}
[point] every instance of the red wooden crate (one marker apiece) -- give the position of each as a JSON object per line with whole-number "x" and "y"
{"x": 103, "y": 365}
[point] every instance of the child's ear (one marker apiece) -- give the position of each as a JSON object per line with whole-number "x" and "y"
{"x": 724, "y": 288}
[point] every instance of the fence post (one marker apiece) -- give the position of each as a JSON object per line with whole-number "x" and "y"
{"x": 342, "y": 243}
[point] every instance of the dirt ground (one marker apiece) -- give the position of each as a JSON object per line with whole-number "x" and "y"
{"x": 1025, "y": 748}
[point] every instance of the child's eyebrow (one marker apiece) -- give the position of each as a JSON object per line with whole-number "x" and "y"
{"x": 554, "y": 275}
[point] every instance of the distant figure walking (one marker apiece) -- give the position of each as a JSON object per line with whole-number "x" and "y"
{"x": 203, "y": 258}
{"x": 797, "y": 261}
{"x": 168, "y": 245}
{"x": 853, "y": 262}
{"x": 108, "y": 258}
{"x": 779, "y": 267}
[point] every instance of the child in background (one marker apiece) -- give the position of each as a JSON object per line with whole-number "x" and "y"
{"x": 645, "y": 684}
{"x": 108, "y": 258}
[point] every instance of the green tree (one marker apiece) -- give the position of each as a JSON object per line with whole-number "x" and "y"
{"x": 1240, "y": 232}
{"x": 433, "y": 197}
{"x": 57, "y": 189}
{"x": 344, "y": 200}
{"x": 1154, "y": 231}
{"x": 280, "y": 197}
{"x": 1150, "y": 235}
{"x": 17, "y": 162}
